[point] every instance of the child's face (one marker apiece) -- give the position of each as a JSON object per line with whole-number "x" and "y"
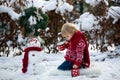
{"x": 68, "y": 36}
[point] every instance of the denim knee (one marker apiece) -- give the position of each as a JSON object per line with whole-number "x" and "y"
{"x": 66, "y": 65}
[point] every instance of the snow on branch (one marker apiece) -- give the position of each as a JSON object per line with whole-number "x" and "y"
{"x": 95, "y": 2}
{"x": 10, "y": 11}
{"x": 11, "y": 2}
{"x": 114, "y": 12}
{"x": 64, "y": 7}
{"x": 58, "y": 5}
{"x": 92, "y": 2}
{"x": 87, "y": 21}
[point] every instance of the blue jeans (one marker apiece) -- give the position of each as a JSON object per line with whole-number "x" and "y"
{"x": 66, "y": 65}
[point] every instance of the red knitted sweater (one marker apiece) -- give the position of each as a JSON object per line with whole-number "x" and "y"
{"x": 77, "y": 51}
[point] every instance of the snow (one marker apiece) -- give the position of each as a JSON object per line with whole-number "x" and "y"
{"x": 9, "y": 43}
{"x": 57, "y": 5}
{"x": 92, "y": 2}
{"x": 10, "y": 68}
{"x": 114, "y": 12}
{"x": 35, "y": 63}
{"x": 4, "y": 9}
{"x": 86, "y": 21}
{"x": 49, "y": 6}
{"x": 11, "y": 2}
{"x": 117, "y": 50}
{"x": 64, "y": 7}
{"x": 32, "y": 20}
{"x": 20, "y": 38}
{"x": 95, "y": 2}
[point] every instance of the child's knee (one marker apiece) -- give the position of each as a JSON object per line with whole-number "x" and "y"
{"x": 66, "y": 65}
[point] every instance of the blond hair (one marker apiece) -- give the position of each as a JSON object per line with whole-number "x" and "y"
{"x": 69, "y": 28}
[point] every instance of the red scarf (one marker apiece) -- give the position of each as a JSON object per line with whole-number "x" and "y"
{"x": 25, "y": 59}
{"x": 73, "y": 43}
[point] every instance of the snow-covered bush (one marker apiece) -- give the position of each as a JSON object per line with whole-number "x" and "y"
{"x": 101, "y": 24}
{"x": 9, "y": 28}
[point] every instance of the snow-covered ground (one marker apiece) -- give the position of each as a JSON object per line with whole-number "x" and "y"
{"x": 102, "y": 68}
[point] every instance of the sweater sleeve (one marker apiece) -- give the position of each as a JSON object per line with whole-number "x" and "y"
{"x": 79, "y": 52}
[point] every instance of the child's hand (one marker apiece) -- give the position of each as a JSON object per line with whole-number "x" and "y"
{"x": 75, "y": 66}
{"x": 61, "y": 47}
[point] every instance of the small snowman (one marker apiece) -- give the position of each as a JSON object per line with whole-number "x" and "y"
{"x": 33, "y": 57}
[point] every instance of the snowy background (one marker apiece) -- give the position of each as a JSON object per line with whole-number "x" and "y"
{"x": 103, "y": 67}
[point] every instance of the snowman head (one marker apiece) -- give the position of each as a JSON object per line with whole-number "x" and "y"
{"x": 33, "y": 42}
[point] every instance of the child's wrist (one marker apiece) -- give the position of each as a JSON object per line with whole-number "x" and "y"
{"x": 75, "y": 66}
